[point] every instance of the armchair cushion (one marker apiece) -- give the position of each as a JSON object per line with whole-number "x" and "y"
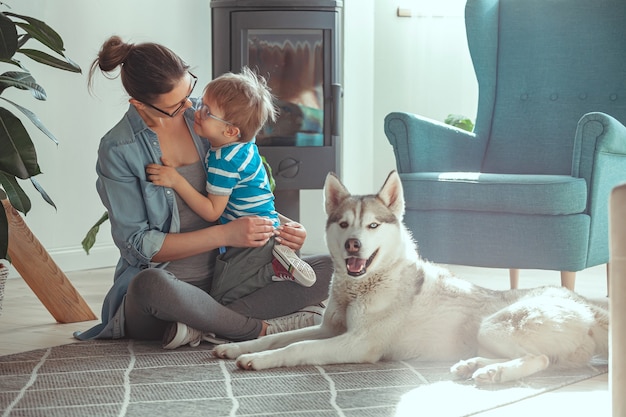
{"x": 475, "y": 191}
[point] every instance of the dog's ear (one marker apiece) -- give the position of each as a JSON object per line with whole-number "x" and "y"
{"x": 392, "y": 194}
{"x": 334, "y": 192}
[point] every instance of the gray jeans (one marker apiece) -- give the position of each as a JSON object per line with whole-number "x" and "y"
{"x": 241, "y": 271}
{"x": 155, "y": 298}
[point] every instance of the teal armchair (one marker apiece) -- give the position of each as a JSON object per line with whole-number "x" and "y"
{"x": 529, "y": 187}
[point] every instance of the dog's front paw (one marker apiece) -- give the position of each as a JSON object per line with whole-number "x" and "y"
{"x": 464, "y": 369}
{"x": 255, "y": 361}
{"x": 491, "y": 374}
{"x": 227, "y": 351}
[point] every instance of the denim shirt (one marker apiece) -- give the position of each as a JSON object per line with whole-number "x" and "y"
{"x": 141, "y": 213}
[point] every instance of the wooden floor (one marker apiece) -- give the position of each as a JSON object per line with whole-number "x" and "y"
{"x": 26, "y": 325}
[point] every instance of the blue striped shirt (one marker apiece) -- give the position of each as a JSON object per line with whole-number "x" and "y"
{"x": 236, "y": 170}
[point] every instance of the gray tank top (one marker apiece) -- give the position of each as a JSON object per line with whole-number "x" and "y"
{"x": 197, "y": 269}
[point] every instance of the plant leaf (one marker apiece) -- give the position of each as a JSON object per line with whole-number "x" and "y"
{"x": 270, "y": 175}
{"x": 13, "y": 61}
{"x": 17, "y": 152}
{"x": 8, "y": 37}
{"x": 40, "y": 31}
{"x": 460, "y": 121}
{"x": 15, "y": 193}
{"x": 43, "y": 192}
{"x": 23, "y": 81}
{"x": 47, "y": 59}
{"x": 22, "y": 39}
{"x": 33, "y": 118}
{"x": 90, "y": 237}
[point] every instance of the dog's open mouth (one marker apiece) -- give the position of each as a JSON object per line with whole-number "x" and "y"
{"x": 358, "y": 266}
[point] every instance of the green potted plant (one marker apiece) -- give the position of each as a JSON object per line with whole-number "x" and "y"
{"x": 460, "y": 121}
{"x": 18, "y": 157}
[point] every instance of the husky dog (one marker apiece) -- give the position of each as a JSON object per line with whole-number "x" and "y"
{"x": 386, "y": 303}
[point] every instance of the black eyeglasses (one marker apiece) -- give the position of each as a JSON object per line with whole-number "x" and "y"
{"x": 182, "y": 103}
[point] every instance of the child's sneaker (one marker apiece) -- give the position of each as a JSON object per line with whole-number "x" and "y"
{"x": 308, "y": 316}
{"x": 288, "y": 267}
{"x": 179, "y": 334}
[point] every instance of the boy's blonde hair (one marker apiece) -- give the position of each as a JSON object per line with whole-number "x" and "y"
{"x": 245, "y": 99}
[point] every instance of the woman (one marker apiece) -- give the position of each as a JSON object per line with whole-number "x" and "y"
{"x": 168, "y": 253}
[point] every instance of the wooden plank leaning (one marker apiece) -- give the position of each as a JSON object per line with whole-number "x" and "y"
{"x": 41, "y": 273}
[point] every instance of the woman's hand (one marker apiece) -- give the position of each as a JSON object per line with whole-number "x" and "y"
{"x": 248, "y": 232}
{"x": 291, "y": 234}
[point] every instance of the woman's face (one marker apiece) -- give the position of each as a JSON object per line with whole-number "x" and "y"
{"x": 176, "y": 101}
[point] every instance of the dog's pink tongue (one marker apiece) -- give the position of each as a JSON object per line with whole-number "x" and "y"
{"x": 355, "y": 264}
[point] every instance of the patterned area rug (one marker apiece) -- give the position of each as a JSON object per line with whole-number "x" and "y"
{"x": 130, "y": 378}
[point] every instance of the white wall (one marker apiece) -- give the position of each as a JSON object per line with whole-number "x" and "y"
{"x": 422, "y": 66}
{"x": 417, "y": 64}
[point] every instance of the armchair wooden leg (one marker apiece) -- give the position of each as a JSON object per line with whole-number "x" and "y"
{"x": 514, "y": 278}
{"x": 568, "y": 279}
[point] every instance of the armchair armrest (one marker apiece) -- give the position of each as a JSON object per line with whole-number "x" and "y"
{"x": 600, "y": 138}
{"x": 425, "y": 145}
{"x": 599, "y": 158}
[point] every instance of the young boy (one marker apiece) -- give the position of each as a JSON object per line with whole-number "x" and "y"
{"x": 233, "y": 109}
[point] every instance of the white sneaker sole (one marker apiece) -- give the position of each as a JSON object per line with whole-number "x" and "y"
{"x": 301, "y": 271}
{"x": 177, "y": 333}
{"x": 175, "y": 340}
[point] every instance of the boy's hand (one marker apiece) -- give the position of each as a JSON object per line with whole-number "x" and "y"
{"x": 164, "y": 175}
